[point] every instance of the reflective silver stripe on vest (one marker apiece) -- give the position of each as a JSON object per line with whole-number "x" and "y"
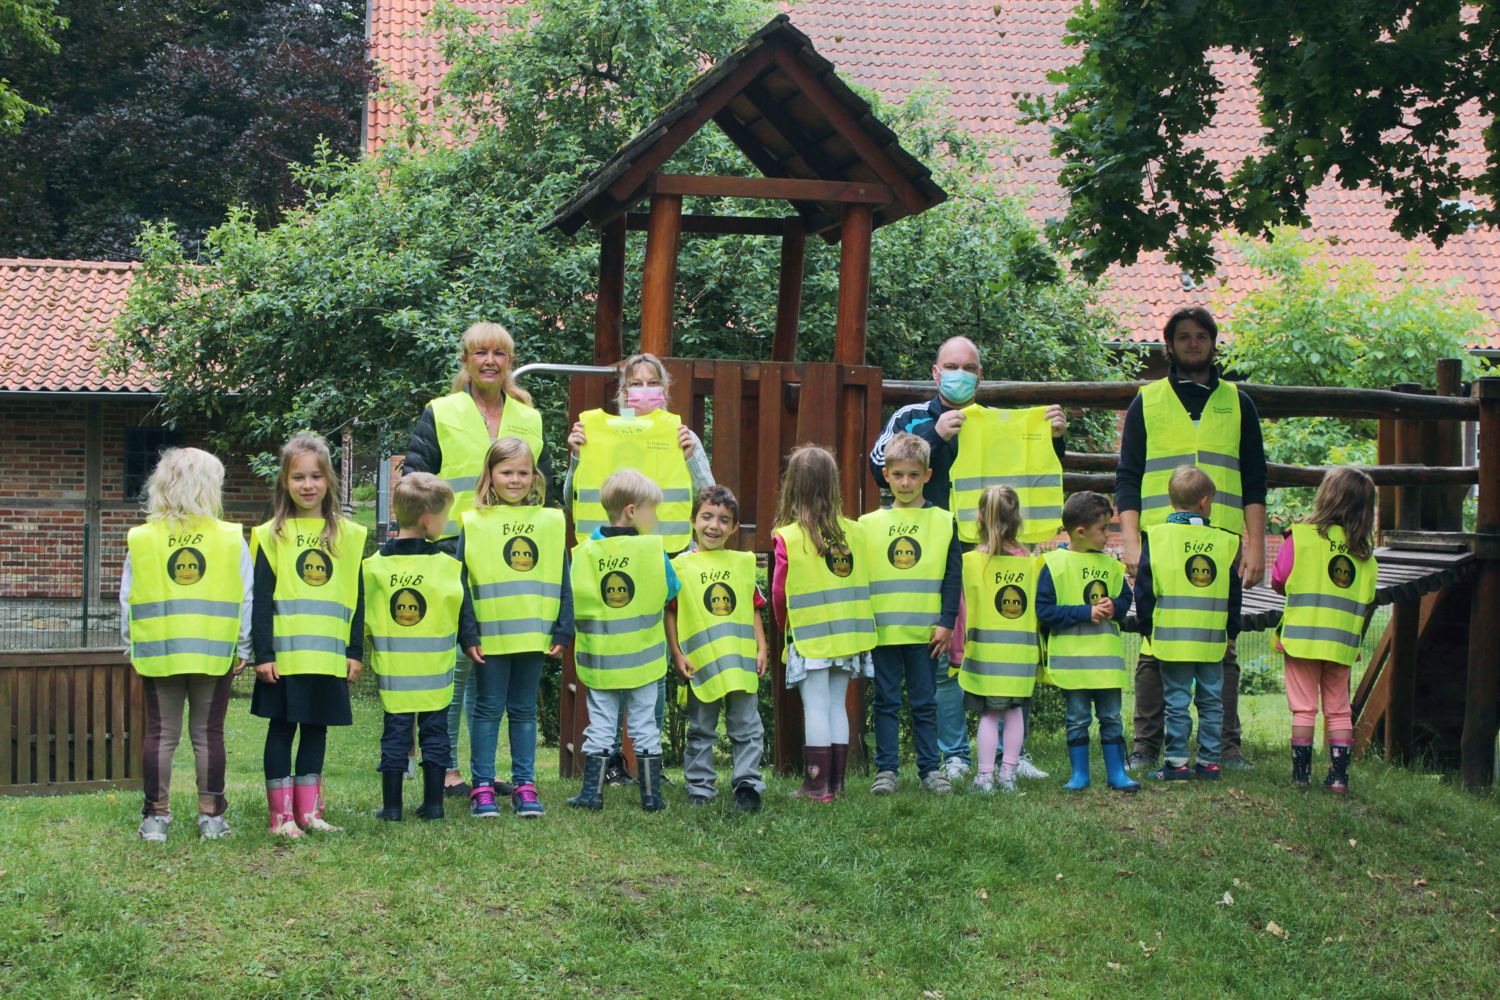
{"x": 1056, "y": 663}
{"x": 1320, "y": 633}
{"x": 1207, "y": 635}
{"x": 1332, "y": 602}
{"x": 1166, "y": 463}
{"x": 989, "y": 668}
{"x": 517, "y": 588}
{"x": 1176, "y": 602}
{"x": 516, "y": 626}
{"x": 309, "y": 644}
{"x": 618, "y": 626}
{"x": 1223, "y": 499}
{"x": 673, "y": 528}
{"x": 184, "y": 606}
{"x": 891, "y": 619}
{"x": 1020, "y": 482}
{"x": 667, "y": 496}
{"x": 917, "y": 586}
{"x": 1004, "y": 636}
{"x": 1089, "y": 628}
{"x": 729, "y": 661}
{"x": 1222, "y": 461}
{"x": 308, "y": 606}
{"x": 462, "y": 484}
{"x": 723, "y": 630}
{"x": 414, "y": 643}
{"x": 415, "y": 682}
{"x": 1232, "y": 500}
{"x": 839, "y": 626}
{"x": 833, "y": 595}
{"x": 181, "y": 647}
{"x": 621, "y": 661}
{"x": 1027, "y": 513}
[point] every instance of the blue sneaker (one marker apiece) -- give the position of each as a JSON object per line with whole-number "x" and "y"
{"x": 1169, "y": 773}
{"x": 525, "y": 802}
{"x": 482, "y": 802}
{"x": 1206, "y": 772}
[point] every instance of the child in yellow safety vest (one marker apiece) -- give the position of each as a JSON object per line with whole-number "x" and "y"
{"x": 1081, "y": 599}
{"x": 185, "y": 602}
{"x": 1326, "y": 568}
{"x": 821, "y": 597}
{"x": 1187, "y": 604}
{"x": 307, "y": 630}
{"x": 718, "y": 645}
{"x": 418, "y": 613}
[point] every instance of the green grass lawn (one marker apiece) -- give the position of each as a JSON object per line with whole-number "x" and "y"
{"x": 1245, "y": 888}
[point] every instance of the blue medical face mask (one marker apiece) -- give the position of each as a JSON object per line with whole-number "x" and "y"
{"x": 958, "y": 386}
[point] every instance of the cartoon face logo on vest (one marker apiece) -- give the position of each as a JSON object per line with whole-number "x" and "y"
{"x": 313, "y": 567}
{"x": 520, "y": 554}
{"x": 1201, "y": 571}
{"x": 839, "y": 560}
{"x": 1011, "y": 601}
{"x": 1094, "y": 592}
{"x": 1341, "y": 572}
{"x": 904, "y": 552}
{"x": 617, "y": 589}
{"x": 186, "y": 567}
{"x": 407, "y": 607}
{"x": 719, "y": 600}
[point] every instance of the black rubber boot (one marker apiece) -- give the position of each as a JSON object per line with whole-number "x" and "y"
{"x": 432, "y": 791}
{"x": 1338, "y": 768}
{"x": 1301, "y": 764}
{"x": 648, "y": 775}
{"x": 591, "y": 795}
{"x": 390, "y": 795}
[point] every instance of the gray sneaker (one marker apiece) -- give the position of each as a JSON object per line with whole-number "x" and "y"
{"x": 213, "y": 827}
{"x": 885, "y": 783}
{"x": 937, "y": 783}
{"x": 1139, "y": 762}
{"x": 154, "y": 829}
{"x": 1236, "y": 763}
{"x": 1026, "y": 769}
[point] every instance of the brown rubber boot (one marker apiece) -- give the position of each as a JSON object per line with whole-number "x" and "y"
{"x": 840, "y": 762}
{"x": 818, "y": 765}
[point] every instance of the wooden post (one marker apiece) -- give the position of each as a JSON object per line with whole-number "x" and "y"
{"x": 1443, "y": 507}
{"x": 1405, "y": 615}
{"x": 1477, "y": 744}
{"x": 1409, "y": 452}
{"x": 609, "y": 307}
{"x": 789, "y": 291}
{"x": 659, "y": 281}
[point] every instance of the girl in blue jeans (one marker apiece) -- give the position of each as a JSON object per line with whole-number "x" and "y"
{"x": 514, "y": 551}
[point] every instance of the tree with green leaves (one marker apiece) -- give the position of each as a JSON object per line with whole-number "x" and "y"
{"x": 26, "y": 28}
{"x": 1350, "y": 91}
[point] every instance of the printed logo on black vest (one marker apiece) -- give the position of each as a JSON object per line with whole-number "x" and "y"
{"x": 719, "y": 600}
{"x": 520, "y": 554}
{"x": 617, "y": 589}
{"x": 839, "y": 560}
{"x": 1341, "y": 572}
{"x": 1010, "y": 601}
{"x": 904, "y": 552}
{"x": 1201, "y": 571}
{"x": 1094, "y": 592}
{"x": 408, "y": 607}
{"x": 314, "y": 567}
{"x": 186, "y": 567}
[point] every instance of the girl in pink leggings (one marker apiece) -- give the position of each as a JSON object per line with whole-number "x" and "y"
{"x": 1327, "y": 571}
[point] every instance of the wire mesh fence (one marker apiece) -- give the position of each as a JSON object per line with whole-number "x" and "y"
{"x": 49, "y": 598}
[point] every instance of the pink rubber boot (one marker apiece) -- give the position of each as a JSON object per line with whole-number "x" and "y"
{"x": 279, "y": 806}
{"x": 307, "y": 795}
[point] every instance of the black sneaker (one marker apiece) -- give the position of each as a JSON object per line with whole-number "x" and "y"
{"x": 615, "y": 774}
{"x": 746, "y": 798}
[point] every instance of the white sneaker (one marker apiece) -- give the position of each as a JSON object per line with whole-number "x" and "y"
{"x": 213, "y": 827}
{"x": 937, "y": 783}
{"x": 1026, "y": 769}
{"x": 154, "y": 829}
{"x": 954, "y": 769}
{"x": 984, "y": 784}
{"x": 1006, "y": 784}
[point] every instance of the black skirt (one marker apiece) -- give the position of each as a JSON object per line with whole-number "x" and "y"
{"x": 315, "y": 699}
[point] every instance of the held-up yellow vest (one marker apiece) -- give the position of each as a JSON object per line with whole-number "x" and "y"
{"x": 464, "y": 439}
{"x": 619, "y": 593}
{"x": 1007, "y": 448}
{"x": 1213, "y": 445}
{"x": 1328, "y": 595}
{"x": 716, "y": 620}
{"x": 1091, "y": 655}
{"x": 828, "y": 596}
{"x": 1001, "y": 645}
{"x": 907, "y": 558}
{"x": 514, "y": 558}
{"x": 317, "y": 593}
{"x": 647, "y": 444}
{"x": 185, "y": 597}
{"x": 412, "y": 604}
{"x": 1191, "y": 569}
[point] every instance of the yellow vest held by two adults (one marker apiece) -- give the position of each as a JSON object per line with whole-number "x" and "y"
{"x": 412, "y": 604}
{"x": 464, "y": 439}
{"x": 716, "y": 620}
{"x": 647, "y": 444}
{"x": 1213, "y": 445}
{"x": 185, "y": 597}
{"x": 828, "y": 596}
{"x": 317, "y": 592}
{"x": 1001, "y": 645}
{"x": 1007, "y": 448}
{"x": 1091, "y": 655}
{"x": 1191, "y": 570}
{"x": 1328, "y": 595}
{"x": 907, "y": 558}
{"x": 514, "y": 558}
{"x": 619, "y": 593}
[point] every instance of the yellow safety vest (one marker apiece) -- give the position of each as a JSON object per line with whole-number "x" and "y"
{"x": 647, "y": 444}
{"x": 716, "y": 620}
{"x": 1213, "y": 446}
{"x": 1328, "y": 595}
{"x": 1001, "y": 645}
{"x": 185, "y": 597}
{"x": 412, "y": 604}
{"x": 1007, "y": 448}
{"x": 1191, "y": 568}
{"x": 464, "y": 439}
{"x": 514, "y": 557}
{"x": 317, "y": 593}
{"x": 1091, "y": 655}
{"x": 907, "y": 560}
{"x": 828, "y": 596}
{"x": 619, "y": 593}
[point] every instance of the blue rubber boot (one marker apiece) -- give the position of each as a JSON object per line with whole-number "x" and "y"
{"x": 1078, "y": 756}
{"x": 1114, "y": 768}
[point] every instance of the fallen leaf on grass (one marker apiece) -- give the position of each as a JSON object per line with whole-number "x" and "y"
{"x": 1273, "y": 928}
{"x": 1236, "y": 883}
{"x": 1418, "y": 883}
{"x": 1227, "y": 900}
{"x": 932, "y": 994}
{"x": 1114, "y": 965}
{"x": 1353, "y": 842}
{"x": 1122, "y": 872}
{"x": 982, "y": 894}
{"x": 1058, "y": 877}
{"x": 1146, "y": 951}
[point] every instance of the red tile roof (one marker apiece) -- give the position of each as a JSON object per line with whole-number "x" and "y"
{"x": 983, "y": 53}
{"x": 53, "y": 314}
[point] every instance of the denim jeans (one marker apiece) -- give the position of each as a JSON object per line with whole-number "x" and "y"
{"x": 460, "y": 708}
{"x": 1150, "y": 708}
{"x": 912, "y": 663}
{"x": 1179, "y": 683}
{"x": 952, "y": 720}
{"x": 661, "y": 716}
{"x": 1084, "y": 704}
{"x": 507, "y": 685}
